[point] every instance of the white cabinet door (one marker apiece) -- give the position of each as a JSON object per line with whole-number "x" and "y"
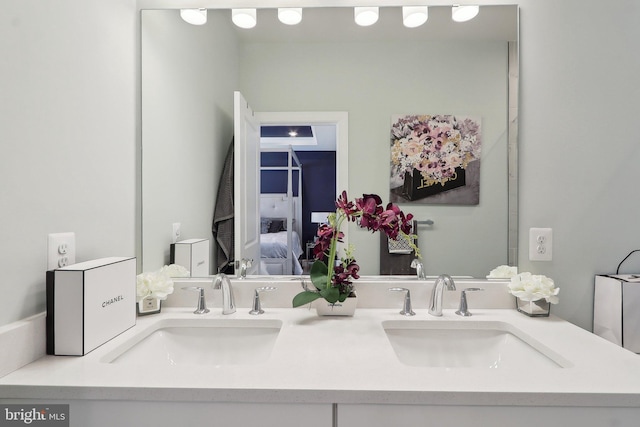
{"x": 459, "y": 415}
{"x": 109, "y": 413}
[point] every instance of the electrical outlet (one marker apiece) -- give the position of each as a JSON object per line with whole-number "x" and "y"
{"x": 540, "y": 244}
{"x": 176, "y": 232}
{"x": 61, "y": 250}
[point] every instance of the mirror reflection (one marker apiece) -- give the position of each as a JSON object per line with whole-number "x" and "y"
{"x": 298, "y": 162}
{"x": 189, "y": 74}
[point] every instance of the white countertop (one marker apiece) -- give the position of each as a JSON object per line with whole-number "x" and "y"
{"x": 346, "y": 360}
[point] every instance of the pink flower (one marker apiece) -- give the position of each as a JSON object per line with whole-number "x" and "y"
{"x": 326, "y": 235}
{"x": 412, "y": 146}
{"x": 406, "y": 223}
{"x": 371, "y": 206}
{"x": 346, "y": 206}
{"x": 342, "y": 275}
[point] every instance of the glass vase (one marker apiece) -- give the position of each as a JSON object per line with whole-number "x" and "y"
{"x": 149, "y": 305}
{"x": 539, "y": 308}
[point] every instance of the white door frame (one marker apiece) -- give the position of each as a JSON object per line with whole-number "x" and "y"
{"x": 338, "y": 118}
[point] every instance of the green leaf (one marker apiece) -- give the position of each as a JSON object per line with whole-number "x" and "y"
{"x": 331, "y": 294}
{"x": 305, "y": 298}
{"x": 318, "y": 275}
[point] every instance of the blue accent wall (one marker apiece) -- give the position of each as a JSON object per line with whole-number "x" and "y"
{"x": 318, "y": 183}
{"x": 275, "y": 181}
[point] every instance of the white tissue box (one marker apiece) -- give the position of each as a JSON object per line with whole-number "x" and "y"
{"x": 89, "y": 303}
{"x": 616, "y": 309}
{"x": 192, "y": 254}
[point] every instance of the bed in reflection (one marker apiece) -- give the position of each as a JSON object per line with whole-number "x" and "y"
{"x": 280, "y": 219}
{"x": 275, "y": 251}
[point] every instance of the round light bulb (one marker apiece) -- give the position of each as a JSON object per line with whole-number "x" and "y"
{"x": 194, "y": 16}
{"x": 414, "y": 16}
{"x": 365, "y": 16}
{"x": 464, "y": 13}
{"x": 290, "y": 15}
{"x": 244, "y": 18}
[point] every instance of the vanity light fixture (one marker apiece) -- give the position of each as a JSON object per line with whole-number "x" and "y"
{"x": 244, "y": 18}
{"x": 414, "y": 16}
{"x": 464, "y": 13}
{"x": 365, "y": 16}
{"x": 290, "y": 15}
{"x": 194, "y": 16}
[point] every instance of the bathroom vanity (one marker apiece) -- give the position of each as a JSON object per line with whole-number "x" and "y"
{"x": 290, "y": 367}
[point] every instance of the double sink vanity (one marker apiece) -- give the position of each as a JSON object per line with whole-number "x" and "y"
{"x": 378, "y": 368}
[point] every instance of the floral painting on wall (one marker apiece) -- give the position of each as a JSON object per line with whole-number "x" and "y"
{"x": 435, "y": 159}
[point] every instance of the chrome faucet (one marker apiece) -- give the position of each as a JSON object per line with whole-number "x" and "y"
{"x": 256, "y": 308}
{"x": 463, "y": 310}
{"x": 435, "y": 307}
{"x": 406, "y": 308}
{"x": 244, "y": 265}
{"x": 221, "y": 281}
{"x": 419, "y": 266}
{"x": 202, "y": 305}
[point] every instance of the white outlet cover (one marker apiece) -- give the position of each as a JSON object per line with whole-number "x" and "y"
{"x": 176, "y": 232}
{"x": 540, "y": 244}
{"x": 56, "y": 259}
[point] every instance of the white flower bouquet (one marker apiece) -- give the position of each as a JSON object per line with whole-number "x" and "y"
{"x": 503, "y": 272}
{"x": 158, "y": 284}
{"x": 530, "y": 287}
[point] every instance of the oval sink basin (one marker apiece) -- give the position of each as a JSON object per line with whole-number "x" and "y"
{"x": 467, "y": 344}
{"x": 200, "y": 342}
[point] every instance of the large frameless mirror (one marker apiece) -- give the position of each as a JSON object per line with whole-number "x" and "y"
{"x": 327, "y": 63}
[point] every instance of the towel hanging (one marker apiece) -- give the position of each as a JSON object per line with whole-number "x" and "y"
{"x": 222, "y": 226}
{"x": 402, "y": 245}
{"x": 405, "y": 244}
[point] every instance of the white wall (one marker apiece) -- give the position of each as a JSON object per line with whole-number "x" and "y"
{"x": 375, "y": 80}
{"x": 579, "y": 151}
{"x": 68, "y": 93}
{"x": 68, "y": 135}
{"x": 188, "y": 77}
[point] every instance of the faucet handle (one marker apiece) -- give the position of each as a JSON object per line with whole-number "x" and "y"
{"x": 406, "y": 308}
{"x": 256, "y": 307}
{"x": 245, "y": 263}
{"x": 463, "y": 310}
{"x": 419, "y": 267}
{"x": 202, "y": 305}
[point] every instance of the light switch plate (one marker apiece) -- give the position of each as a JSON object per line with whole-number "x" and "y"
{"x": 540, "y": 244}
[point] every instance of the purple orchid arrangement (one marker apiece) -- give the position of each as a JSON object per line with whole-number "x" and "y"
{"x": 336, "y": 284}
